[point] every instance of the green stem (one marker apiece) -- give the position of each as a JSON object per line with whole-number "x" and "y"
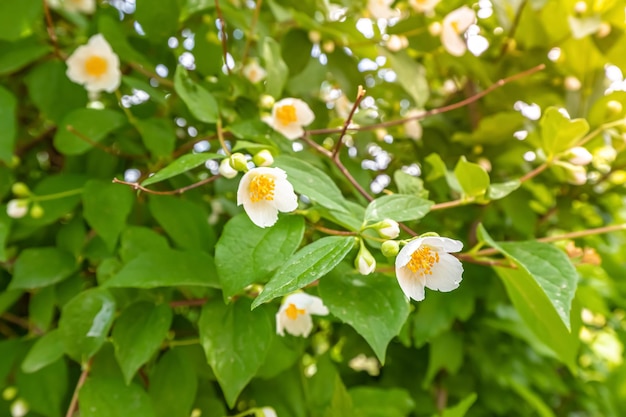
{"x": 185, "y": 342}
{"x": 56, "y": 196}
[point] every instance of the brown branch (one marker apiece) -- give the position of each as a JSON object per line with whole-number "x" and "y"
{"x": 137, "y": 186}
{"x": 220, "y": 17}
{"x": 81, "y": 381}
{"x": 255, "y": 19}
{"x": 100, "y": 146}
{"x": 188, "y": 303}
{"x": 51, "y": 33}
{"x": 334, "y": 232}
{"x": 12, "y": 318}
{"x": 359, "y": 96}
{"x": 534, "y": 172}
{"x": 439, "y": 110}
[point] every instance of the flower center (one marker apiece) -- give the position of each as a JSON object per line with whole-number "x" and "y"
{"x": 286, "y": 114}
{"x": 423, "y": 260}
{"x": 455, "y": 26}
{"x": 262, "y": 188}
{"x": 292, "y": 311}
{"x": 95, "y": 65}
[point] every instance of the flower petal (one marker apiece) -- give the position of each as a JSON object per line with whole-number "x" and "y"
{"x": 303, "y": 112}
{"x": 454, "y": 44}
{"x": 291, "y": 131}
{"x": 404, "y": 256}
{"x": 301, "y": 326}
{"x": 443, "y": 243}
{"x": 447, "y": 274}
{"x": 262, "y": 213}
{"x": 285, "y": 199}
{"x": 411, "y": 284}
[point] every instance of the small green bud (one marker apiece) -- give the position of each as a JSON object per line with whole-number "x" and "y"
{"x": 36, "y": 211}
{"x": 390, "y": 248}
{"x": 312, "y": 215}
{"x": 19, "y": 189}
{"x": 238, "y": 162}
{"x": 614, "y": 107}
{"x": 263, "y": 158}
{"x": 9, "y": 393}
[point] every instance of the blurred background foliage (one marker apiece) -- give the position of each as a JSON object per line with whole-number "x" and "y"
{"x": 118, "y": 292}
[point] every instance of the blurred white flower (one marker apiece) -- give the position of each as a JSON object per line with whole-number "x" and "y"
{"x": 17, "y": 208}
{"x": 254, "y": 72}
{"x": 424, "y": 6}
{"x": 572, "y": 83}
{"x": 264, "y": 192}
{"x": 579, "y": 156}
{"x": 364, "y": 363}
{"x": 426, "y": 262}
{"x": 226, "y": 170}
{"x": 83, "y": 6}
{"x": 95, "y": 65}
{"x": 268, "y": 412}
{"x": 453, "y": 27}
{"x": 288, "y": 117}
{"x": 294, "y": 314}
{"x": 396, "y": 43}
{"x": 413, "y": 128}
{"x": 380, "y": 9}
{"x": 19, "y": 408}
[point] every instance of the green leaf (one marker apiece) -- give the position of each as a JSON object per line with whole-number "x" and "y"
{"x": 158, "y": 23}
{"x": 5, "y": 224}
{"x": 502, "y": 189}
{"x": 341, "y": 402}
{"x": 16, "y": 55}
{"x": 173, "y": 384}
{"x": 184, "y": 221}
{"x": 183, "y": 164}
{"x": 167, "y": 268}
{"x": 243, "y": 261}
{"x": 45, "y": 389}
{"x": 312, "y": 182}
{"x": 235, "y": 340}
{"x": 46, "y": 83}
{"x": 472, "y": 177}
{"x": 158, "y": 136}
{"x": 85, "y": 322}
{"x": 40, "y": 267}
{"x": 411, "y": 76}
{"x": 8, "y": 121}
{"x": 110, "y": 397}
{"x": 106, "y": 207}
{"x": 46, "y": 350}
{"x": 199, "y": 101}
{"x": 438, "y": 313}
{"x": 138, "y": 333}
{"x": 41, "y": 308}
{"x": 460, "y": 409}
{"x": 94, "y": 125}
{"x": 398, "y": 207}
{"x": 408, "y": 184}
{"x": 531, "y": 398}
{"x": 381, "y": 402}
{"x": 119, "y": 40}
{"x": 136, "y": 240}
{"x": 277, "y": 71}
{"x": 308, "y": 264}
{"x": 558, "y": 133}
{"x": 295, "y": 40}
{"x": 17, "y": 19}
{"x": 374, "y": 306}
{"x": 446, "y": 353}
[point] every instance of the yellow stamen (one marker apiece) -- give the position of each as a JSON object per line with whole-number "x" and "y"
{"x": 455, "y": 26}
{"x": 96, "y": 65}
{"x": 423, "y": 260}
{"x": 262, "y": 188}
{"x": 292, "y": 311}
{"x": 286, "y": 114}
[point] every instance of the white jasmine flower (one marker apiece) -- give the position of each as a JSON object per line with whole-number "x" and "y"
{"x": 254, "y": 72}
{"x": 426, "y": 262}
{"x": 95, "y": 65}
{"x": 380, "y": 9}
{"x": 264, "y": 192}
{"x": 424, "y": 6}
{"x": 17, "y": 208}
{"x": 396, "y": 43}
{"x": 294, "y": 314}
{"x": 226, "y": 170}
{"x": 389, "y": 229}
{"x": 288, "y": 117}
{"x": 268, "y": 412}
{"x": 83, "y": 6}
{"x": 580, "y": 156}
{"x": 453, "y": 27}
{"x": 413, "y": 128}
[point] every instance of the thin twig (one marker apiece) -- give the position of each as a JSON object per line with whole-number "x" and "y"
{"x": 220, "y": 136}
{"x": 137, "y": 186}
{"x": 334, "y": 232}
{"x": 255, "y": 19}
{"x": 359, "y": 96}
{"x": 81, "y": 381}
{"x": 439, "y": 110}
{"x": 51, "y": 33}
{"x": 534, "y": 172}
{"x": 223, "y": 33}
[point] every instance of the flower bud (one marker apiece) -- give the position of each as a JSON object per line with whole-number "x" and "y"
{"x": 36, "y": 211}
{"x": 396, "y": 43}
{"x": 614, "y": 107}
{"x": 364, "y": 262}
{"x": 266, "y": 412}
{"x": 226, "y": 170}
{"x": 19, "y": 408}
{"x": 328, "y": 46}
{"x": 390, "y": 248}
{"x": 580, "y": 7}
{"x": 9, "y": 393}
{"x": 263, "y": 158}
{"x": 238, "y": 162}
{"x": 266, "y": 101}
{"x": 604, "y": 30}
{"x": 579, "y": 156}
{"x": 17, "y": 208}
{"x": 435, "y": 28}
{"x": 315, "y": 36}
{"x": 572, "y": 83}
{"x": 388, "y": 229}
{"x": 574, "y": 174}
{"x": 19, "y": 189}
